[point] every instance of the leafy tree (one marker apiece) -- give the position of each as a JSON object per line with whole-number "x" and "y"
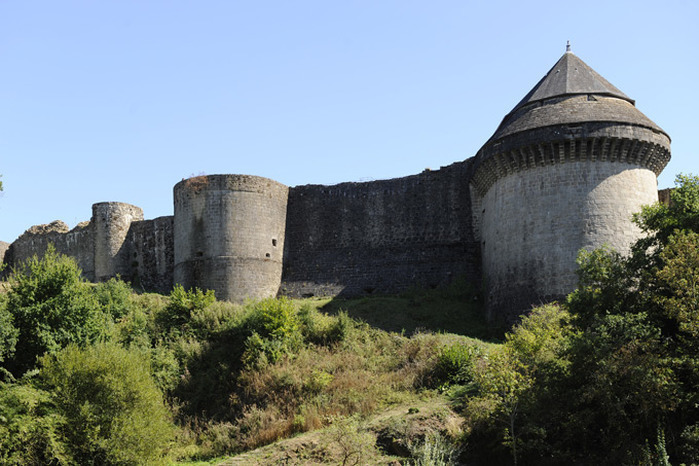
{"x": 113, "y": 411}
{"x": 502, "y": 383}
{"x": 52, "y": 306}
{"x": 635, "y": 358}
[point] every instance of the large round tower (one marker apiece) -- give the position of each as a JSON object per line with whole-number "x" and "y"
{"x": 565, "y": 170}
{"x": 229, "y": 235}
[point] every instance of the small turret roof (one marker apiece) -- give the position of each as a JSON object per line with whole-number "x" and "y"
{"x": 570, "y": 76}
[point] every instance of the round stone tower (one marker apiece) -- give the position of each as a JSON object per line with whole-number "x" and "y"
{"x": 565, "y": 170}
{"x": 229, "y": 235}
{"x": 110, "y": 223}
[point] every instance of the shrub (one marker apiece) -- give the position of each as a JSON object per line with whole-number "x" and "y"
{"x": 260, "y": 351}
{"x": 454, "y": 364}
{"x": 183, "y": 303}
{"x": 52, "y": 307}
{"x": 357, "y": 445}
{"x": 323, "y": 329}
{"x": 30, "y": 429}
{"x": 436, "y": 450}
{"x": 114, "y": 296}
{"x": 274, "y": 318}
{"x": 113, "y": 410}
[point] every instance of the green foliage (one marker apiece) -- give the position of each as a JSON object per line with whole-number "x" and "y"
{"x": 274, "y": 318}
{"x": 275, "y": 328}
{"x": 31, "y": 432}
{"x": 261, "y": 351}
{"x": 624, "y": 370}
{"x": 323, "y": 329}
{"x": 356, "y": 444}
{"x": 660, "y": 221}
{"x": 8, "y": 332}
{"x": 114, "y": 296}
{"x": 113, "y": 411}
{"x": 52, "y": 307}
{"x": 454, "y": 364}
{"x": 183, "y": 303}
{"x": 541, "y": 340}
{"x": 503, "y": 381}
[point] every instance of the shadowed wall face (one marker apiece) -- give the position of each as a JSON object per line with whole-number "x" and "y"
{"x": 381, "y": 236}
{"x": 229, "y": 235}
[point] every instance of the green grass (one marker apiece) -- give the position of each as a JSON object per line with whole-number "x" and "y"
{"x": 455, "y": 309}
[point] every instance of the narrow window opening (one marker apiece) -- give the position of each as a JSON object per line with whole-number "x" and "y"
{"x": 274, "y": 242}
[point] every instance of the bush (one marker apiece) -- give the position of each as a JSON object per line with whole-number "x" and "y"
{"x": 52, "y": 307}
{"x": 322, "y": 329}
{"x": 274, "y": 318}
{"x": 114, "y": 412}
{"x": 30, "y": 429}
{"x": 435, "y": 451}
{"x": 114, "y": 296}
{"x": 454, "y": 364}
{"x": 182, "y": 304}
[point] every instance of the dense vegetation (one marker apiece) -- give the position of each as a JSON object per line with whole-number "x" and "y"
{"x": 97, "y": 374}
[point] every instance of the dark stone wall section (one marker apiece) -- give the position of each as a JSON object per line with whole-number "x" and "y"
{"x": 382, "y": 236}
{"x": 152, "y": 254}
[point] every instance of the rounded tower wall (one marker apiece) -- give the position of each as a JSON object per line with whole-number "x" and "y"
{"x": 536, "y": 221}
{"x": 229, "y": 235}
{"x": 111, "y": 222}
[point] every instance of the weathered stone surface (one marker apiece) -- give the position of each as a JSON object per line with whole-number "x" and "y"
{"x": 229, "y": 235}
{"x": 381, "y": 236}
{"x": 111, "y": 222}
{"x": 536, "y": 221}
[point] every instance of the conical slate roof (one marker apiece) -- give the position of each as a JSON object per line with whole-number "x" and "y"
{"x": 569, "y": 76}
{"x": 571, "y": 93}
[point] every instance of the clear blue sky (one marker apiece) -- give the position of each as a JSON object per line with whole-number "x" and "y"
{"x": 119, "y": 100}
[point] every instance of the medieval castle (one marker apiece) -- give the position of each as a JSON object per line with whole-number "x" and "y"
{"x": 565, "y": 170}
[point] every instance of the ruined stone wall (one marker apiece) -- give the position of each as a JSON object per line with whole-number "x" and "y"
{"x": 111, "y": 222}
{"x": 151, "y": 254}
{"x": 77, "y": 243}
{"x": 381, "y": 236}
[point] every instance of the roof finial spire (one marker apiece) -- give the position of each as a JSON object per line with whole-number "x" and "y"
{"x": 567, "y": 46}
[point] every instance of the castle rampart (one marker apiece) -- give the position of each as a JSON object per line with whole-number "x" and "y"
{"x": 380, "y": 236}
{"x": 77, "y": 243}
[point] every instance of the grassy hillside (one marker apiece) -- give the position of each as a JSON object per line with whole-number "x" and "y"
{"x": 234, "y": 378}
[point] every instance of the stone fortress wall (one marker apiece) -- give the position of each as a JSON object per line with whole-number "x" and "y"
{"x": 565, "y": 170}
{"x": 251, "y": 237}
